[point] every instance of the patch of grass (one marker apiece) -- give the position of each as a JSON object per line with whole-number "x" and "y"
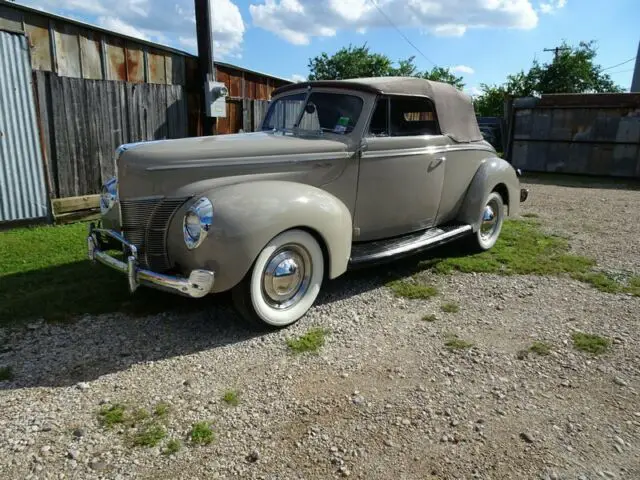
{"x": 149, "y": 436}
{"x": 530, "y": 215}
{"x": 231, "y": 397}
{"x": 201, "y": 433}
{"x": 312, "y": 341}
{"x": 430, "y": 317}
{"x": 161, "y": 410}
{"x": 450, "y": 307}
{"x": 6, "y": 374}
{"x": 173, "y": 446}
{"x": 412, "y": 290}
{"x": 138, "y": 415}
{"x": 523, "y": 249}
{"x": 44, "y": 272}
{"x": 599, "y": 280}
{"x": 540, "y": 348}
{"x": 455, "y": 343}
{"x": 590, "y": 343}
{"x": 112, "y": 415}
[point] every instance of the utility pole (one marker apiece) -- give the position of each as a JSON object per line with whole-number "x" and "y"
{"x": 205, "y": 59}
{"x": 635, "y": 83}
{"x": 557, "y": 50}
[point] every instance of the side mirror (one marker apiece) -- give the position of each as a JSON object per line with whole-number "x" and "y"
{"x": 310, "y": 108}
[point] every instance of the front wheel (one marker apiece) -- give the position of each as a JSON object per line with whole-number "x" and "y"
{"x": 490, "y": 224}
{"x": 284, "y": 281}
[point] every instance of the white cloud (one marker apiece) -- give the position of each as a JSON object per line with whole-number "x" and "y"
{"x": 552, "y": 5}
{"x": 296, "y": 77}
{"x": 298, "y": 21}
{"x": 163, "y": 21}
{"x": 463, "y": 69}
{"x": 118, "y": 25}
{"x": 473, "y": 91}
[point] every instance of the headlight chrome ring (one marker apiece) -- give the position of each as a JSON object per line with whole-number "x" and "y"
{"x": 108, "y": 195}
{"x": 197, "y": 222}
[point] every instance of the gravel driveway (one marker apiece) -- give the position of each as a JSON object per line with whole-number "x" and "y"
{"x": 383, "y": 399}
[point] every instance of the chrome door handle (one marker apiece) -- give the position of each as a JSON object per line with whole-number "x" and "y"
{"x": 436, "y": 162}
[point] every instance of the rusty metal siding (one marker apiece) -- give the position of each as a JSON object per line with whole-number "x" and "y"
{"x": 22, "y": 187}
{"x": 596, "y": 134}
{"x": 40, "y": 43}
{"x": 90, "y": 58}
{"x": 67, "y": 51}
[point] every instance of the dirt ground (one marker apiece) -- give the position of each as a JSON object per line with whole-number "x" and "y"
{"x": 383, "y": 399}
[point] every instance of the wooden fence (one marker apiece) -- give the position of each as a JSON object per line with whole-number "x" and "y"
{"x": 591, "y": 134}
{"x": 82, "y": 122}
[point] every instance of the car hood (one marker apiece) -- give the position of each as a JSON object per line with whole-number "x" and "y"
{"x": 165, "y": 166}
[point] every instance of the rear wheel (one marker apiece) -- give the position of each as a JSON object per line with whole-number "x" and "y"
{"x": 490, "y": 224}
{"x": 284, "y": 281}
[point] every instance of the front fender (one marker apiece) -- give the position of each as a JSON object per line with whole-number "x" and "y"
{"x": 493, "y": 174}
{"x": 248, "y": 215}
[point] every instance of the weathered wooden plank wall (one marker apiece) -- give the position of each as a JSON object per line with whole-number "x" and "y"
{"x": 84, "y": 121}
{"x": 592, "y": 134}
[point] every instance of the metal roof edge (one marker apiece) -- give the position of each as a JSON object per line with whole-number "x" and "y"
{"x": 158, "y": 46}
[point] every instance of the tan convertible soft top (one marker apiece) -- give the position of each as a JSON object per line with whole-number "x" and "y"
{"x": 456, "y": 115}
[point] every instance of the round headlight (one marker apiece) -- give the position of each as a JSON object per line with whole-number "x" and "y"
{"x": 197, "y": 222}
{"x": 109, "y": 195}
{"x": 192, "y": 226}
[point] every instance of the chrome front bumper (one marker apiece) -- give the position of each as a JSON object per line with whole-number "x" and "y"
{"x": 197, "y": 285}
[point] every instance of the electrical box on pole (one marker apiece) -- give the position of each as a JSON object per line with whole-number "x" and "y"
{"x": 215, "y": 99}
{"x": 214, "y": 94}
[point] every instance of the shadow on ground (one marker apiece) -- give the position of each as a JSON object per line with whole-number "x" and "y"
{"x": 104, "y": 330}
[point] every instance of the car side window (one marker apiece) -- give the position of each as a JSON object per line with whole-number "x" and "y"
{"x": 412, "y": 116}
{"x": 379, "y": 125}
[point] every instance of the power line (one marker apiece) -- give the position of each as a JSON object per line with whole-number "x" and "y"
{"x": 375, "y": 4}
{"x": 621, "y": 71}
{"x": 618, "y": 64}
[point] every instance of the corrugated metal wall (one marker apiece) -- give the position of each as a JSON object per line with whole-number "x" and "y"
{"x": 592, "y": 134}
{"x": 22, "y": 186}
{"x": 84, "y": 121}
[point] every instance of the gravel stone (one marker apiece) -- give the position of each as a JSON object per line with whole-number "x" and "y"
{"x": 382, "y": 378}
{"x": 620, "y": 381}
{"x": 527, "y": 437}
{"x": 253, "y": 456}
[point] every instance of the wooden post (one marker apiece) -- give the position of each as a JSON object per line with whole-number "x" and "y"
{"x": 206, "y": 66}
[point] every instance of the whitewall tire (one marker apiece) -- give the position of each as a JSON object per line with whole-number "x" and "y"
{"x": 284, "y": 281}
{"x": 490, "y": 223}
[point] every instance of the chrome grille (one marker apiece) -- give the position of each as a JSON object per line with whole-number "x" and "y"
{"x": 145, "y": 223}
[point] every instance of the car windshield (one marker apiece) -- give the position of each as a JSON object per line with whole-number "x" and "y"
{"x": 322, "y": 112}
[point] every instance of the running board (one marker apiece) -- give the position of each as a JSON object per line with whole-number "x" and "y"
{"x": 380, "y": 250}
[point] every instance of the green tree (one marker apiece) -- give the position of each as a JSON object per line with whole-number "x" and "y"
{"x": 349, "y": 62}
{"x": 573, "y": 71}
{"x": 441, "y": 74}
{"x": 354, "y": 62}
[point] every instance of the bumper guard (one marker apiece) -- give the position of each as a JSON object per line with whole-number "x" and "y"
{"x": 199, "y": 283}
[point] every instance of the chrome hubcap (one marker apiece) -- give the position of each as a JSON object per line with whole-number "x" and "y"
{"x": 489, "y": 220}
{"x": 286, "y": 277}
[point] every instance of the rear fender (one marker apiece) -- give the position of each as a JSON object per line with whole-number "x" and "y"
{"x": 492, "y": 173}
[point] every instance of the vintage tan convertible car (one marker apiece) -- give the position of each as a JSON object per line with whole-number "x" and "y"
{"x": 343, "y": 173}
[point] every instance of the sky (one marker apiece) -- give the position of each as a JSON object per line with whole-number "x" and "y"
{"x": 481, "y": 40}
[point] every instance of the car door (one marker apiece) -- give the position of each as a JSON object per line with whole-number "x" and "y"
{"x": 401, "y": 173}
